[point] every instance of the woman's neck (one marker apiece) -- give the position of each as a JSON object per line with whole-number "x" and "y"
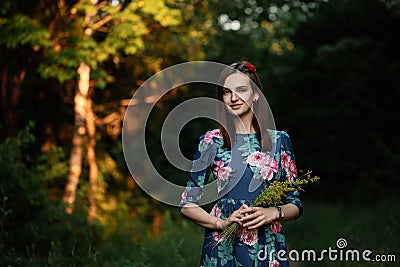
{"x": 244, "y": 125}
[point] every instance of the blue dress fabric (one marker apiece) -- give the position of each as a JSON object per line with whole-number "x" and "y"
{"x": 241, "y": 174}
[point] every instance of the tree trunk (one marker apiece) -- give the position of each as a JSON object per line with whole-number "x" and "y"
{"x": 91, "y": 158}
{"x": 157, "y": 223}
{"x": 80, "y": 109}
{"x": 10, "y": 96}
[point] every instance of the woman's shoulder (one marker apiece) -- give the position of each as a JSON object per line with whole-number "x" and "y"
{"x": 210, "y": 140}
{"x": 211, "y": 136}
{"x": 276, "y": 134}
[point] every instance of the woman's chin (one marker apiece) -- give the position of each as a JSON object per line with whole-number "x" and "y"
{"x": 238, "y": 112}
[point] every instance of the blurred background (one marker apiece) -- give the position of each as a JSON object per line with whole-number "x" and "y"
{"x": 330, "y": 71}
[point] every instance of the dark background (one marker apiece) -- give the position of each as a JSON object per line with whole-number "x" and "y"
{"x": 330, "y": 71}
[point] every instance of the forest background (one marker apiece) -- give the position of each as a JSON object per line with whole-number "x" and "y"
{"x": 330, "y": 71}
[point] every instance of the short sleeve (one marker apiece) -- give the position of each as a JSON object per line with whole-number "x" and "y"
{"x": 200, "y": 172}
{"x": 289, "y": 169}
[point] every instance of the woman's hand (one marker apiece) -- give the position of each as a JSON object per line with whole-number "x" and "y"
{"x": 255, "y": 217}
{"x": 236, "y": 216}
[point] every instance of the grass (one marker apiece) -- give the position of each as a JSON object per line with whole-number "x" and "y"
{"x": 373, "y": 227}
{"x": 364, "y": 227}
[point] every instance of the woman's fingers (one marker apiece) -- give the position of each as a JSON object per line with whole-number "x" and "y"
{"x": 259, "y": 224}
{"x": 250, "y": 214}
{"x": 252, "y": 217}
{"x": 256, "y": 216}
{"x": 242, "y": 209}
{"x": 235, "y": 217}
{"x": 250, "y": 209}
{"x": 238, "y": 214}
{"x": 255, "y": 223}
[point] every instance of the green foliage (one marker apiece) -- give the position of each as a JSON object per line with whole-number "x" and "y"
{"x": 162, "y": 13}
{"x": 330, "y": 69}
{"x": 122, "y": 36}
{"x": 21, "y": 30}
{"x": 322, "y": 224}
{"x": 275, "y": 192}
{"x": 34, "y": 228}
{"x": 61, "y": 67}
{"x": 35, "y": 231}
{"x": 266, "y": 28}
{"x": 5, "y": 7}
{"x": 130, "y": 244}
{"x": 126, "y": 35}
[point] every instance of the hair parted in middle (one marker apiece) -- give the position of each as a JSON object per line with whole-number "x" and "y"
{"x": 261, "y": 114}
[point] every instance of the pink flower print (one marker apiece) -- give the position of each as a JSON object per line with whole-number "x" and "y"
{"x": 291, "y": 171}
{"x": 276, "y": 227}
{"x": 217, "y": 236}
{"x": 267, "y": 173}
{"x": 215, "y": 211}
{"x": 285, "y": 159}
{"x": 216, "y": 133}
{"x": 208, "y": 138}
{"x": 257, "y": 158}
{"x": 274, "y": 263}
{"x": 223, "y": 173}
{"x": 268, "y": 170}
{"x": 184, "y": 195}
{"x": 248, "y": 237}
{"x": 272, "y": 164}
{"x": 219, "y": 163}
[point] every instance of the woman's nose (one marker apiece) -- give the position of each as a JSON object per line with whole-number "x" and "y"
{"x": 234, "y": 97}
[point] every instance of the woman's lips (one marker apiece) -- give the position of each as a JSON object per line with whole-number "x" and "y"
{"x": 236, "y": 106}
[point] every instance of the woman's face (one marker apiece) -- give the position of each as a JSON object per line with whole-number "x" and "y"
{"x": 238, "y": 94}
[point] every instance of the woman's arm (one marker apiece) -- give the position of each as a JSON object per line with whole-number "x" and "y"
{"x": 290, "y": 211}
{"x": 201, "y": 217}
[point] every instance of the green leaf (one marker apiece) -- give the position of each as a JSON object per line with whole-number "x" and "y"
{"x": 21, "y": 30}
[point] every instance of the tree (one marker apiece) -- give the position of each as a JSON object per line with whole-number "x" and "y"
{"x": 337, "y": 94}
{"x": 95, "y": 32}
{"x": 81, "y": 46}
{"x": 22, "y": 39}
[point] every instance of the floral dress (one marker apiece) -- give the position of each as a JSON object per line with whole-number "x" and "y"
{"x": 241, "y": 174}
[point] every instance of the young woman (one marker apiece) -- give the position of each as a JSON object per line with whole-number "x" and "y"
{"x": 244, "y": 157}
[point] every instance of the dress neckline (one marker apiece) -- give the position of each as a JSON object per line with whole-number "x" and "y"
{"x": 246, "y": 133}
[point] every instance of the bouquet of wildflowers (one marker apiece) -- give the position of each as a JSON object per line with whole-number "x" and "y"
{"x": 273, "y": 195}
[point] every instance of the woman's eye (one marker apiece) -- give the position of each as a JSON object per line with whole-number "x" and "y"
{"x": 226, "y": 91}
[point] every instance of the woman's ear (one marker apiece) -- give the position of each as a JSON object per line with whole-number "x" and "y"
{"x": 255, "y": 97}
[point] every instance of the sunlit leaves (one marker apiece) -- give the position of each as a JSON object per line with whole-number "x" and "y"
{"x": 166, "y": 16}
{"x": 91, "y": 33}
{"x": 21, "y": 30}
{"x": 62, "y": 67}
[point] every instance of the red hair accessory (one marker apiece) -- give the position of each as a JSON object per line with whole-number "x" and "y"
{"x": 250, "y": 67}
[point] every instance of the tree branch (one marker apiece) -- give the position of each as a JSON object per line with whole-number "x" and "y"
{"x": 104, "y": 20}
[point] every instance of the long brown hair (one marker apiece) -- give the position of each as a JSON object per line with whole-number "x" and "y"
{"x": 261, "y": 116}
